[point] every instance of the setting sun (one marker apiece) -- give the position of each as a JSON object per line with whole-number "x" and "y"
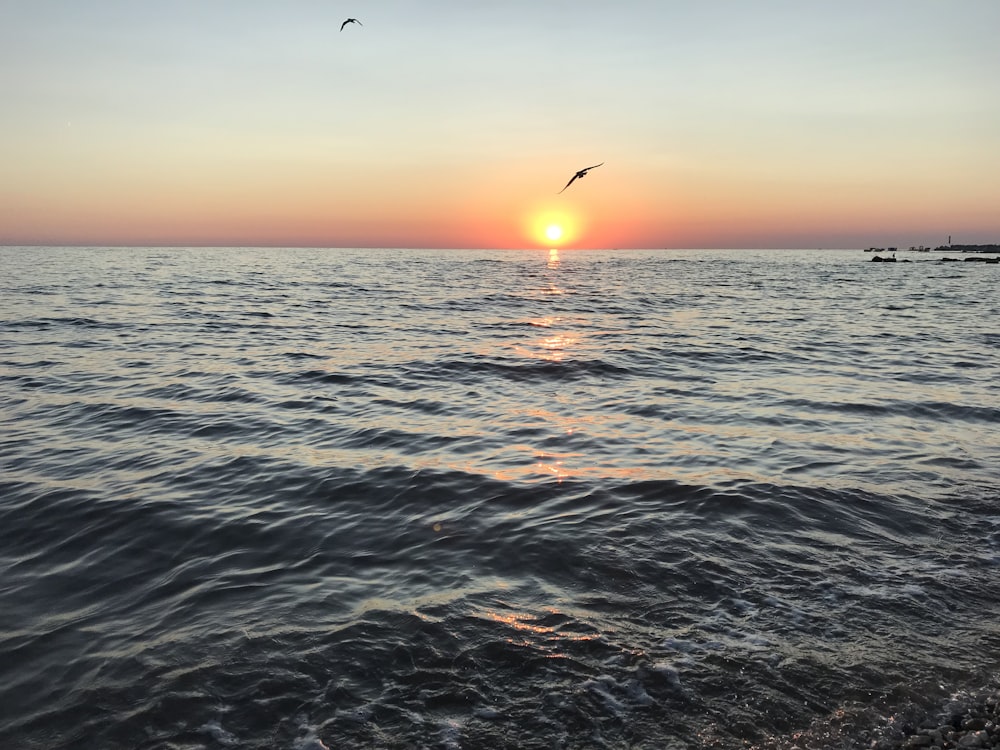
{"x": 553, "y": 225}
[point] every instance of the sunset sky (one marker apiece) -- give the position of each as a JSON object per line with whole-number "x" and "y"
{"x": 448, "y": 123}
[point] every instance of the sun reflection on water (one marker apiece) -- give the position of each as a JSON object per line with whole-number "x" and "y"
{"x": 554, "y": 348}
{"x": 535, "y": 631}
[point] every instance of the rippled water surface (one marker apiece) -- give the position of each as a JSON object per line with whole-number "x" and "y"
{"x": 286, "y": 498}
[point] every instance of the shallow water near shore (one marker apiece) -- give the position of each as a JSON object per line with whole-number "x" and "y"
{"x": 288, "y": 498}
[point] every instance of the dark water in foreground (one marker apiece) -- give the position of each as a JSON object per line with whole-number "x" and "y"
{"x": 415, "y": 499}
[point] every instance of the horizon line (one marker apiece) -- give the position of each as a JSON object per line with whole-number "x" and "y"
{"x": 539, "y": 248}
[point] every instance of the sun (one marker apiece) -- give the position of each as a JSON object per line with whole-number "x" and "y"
{"x": 552, "y": 226}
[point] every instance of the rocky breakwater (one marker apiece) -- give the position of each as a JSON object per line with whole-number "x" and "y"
{"x": 967, "y": 259}
{"x": 970, "y": 251}
{"x": 994, "y": 248}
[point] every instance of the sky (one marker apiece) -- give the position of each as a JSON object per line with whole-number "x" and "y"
{"x": 449, "y": 123}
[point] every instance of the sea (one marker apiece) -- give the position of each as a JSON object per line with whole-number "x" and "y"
{"x": 299, "y": 499}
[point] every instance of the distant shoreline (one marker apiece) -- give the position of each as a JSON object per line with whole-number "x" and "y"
{"x": 969, "y": 248}
{"x": 992, "y": 248}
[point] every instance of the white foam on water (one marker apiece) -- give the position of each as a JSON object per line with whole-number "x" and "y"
{"x": 356, "y": 715}
{"x": 451, "y": 734}
{"x": 686, "y": 646}
{"x": 311, "y": 742}
{"x": 216, "y": 731}
{"x": 636, "y": 693}
{"x": 487, "y": 713}
{"x": 310, "y": 739}
{"x": 620, "y": 696}
{"x": 602, "y": 687}
{"x": 667, "y": 672}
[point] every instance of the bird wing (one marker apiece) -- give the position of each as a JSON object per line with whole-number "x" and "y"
{"x": 593, "y": 167}
{"x": 570, "y": 182}
{"x": 344, "y": 24}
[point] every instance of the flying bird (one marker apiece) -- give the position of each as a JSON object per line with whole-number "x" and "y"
{"x": 581, "y": 173}
{"x": 350, "y": 20}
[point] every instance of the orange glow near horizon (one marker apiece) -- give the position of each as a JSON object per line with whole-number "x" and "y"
{"x": 554, "y": 227}
{"x": 140, "y": 202}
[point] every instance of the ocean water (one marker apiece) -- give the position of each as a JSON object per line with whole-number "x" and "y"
{"x": 291, "y": 498}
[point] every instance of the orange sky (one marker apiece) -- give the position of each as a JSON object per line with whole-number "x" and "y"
{"x": 456, "y": 126}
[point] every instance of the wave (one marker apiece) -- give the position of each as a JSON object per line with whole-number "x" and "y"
{"x": 933, "y": 410}
{"x": 465, "y": 499}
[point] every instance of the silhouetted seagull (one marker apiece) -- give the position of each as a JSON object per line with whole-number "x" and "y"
{"x": 581, "y": 173}
{"x": 350, "y": 20}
